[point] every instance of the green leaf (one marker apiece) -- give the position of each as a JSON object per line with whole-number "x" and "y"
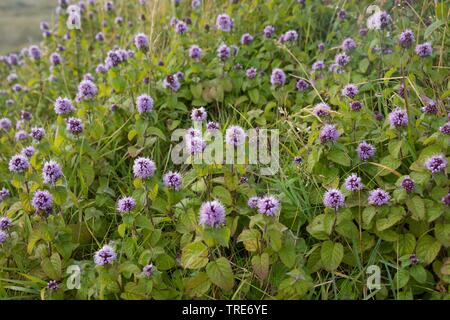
{"x": 417, "y": 207}
{"x": 405, "y": 244}
{"x": 401, "y": 279}
{"x": 260, "y": 265}
{"x": 442, "y": 233}
{"x": 194, "y": 256}
{"x": 432, "y": 27}
{"x": 331, "y": 255}
{"x": 427, "y": 249}
{"x": 254, "y": 95}
{"x": 419, "y": 273}
{"x": 198, "y": 285}
{"x": 339, "y": 157}
{"x": 223, "y": 195}
{"x": 217, "y": 236}
{"x": 250, "y": 238}
{"x": 220, "y": 273}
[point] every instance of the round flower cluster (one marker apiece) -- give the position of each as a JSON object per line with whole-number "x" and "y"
{"x": 408, "y": 184}
{"x": 268, "y": 205}
{"x": 223, "y": 52}
{"x": 51, "y": 172}
{"x": 302, "y": 85}
{"x": 28, "y": 151}
{"x": 37, "y": 133}
{"x": 398, "y": 118}
{"x": 334, "y": 199}
{"x": 321, "y": 109}
{"x": 269, "y": 31}
{"x": 172, "y": 180}
{"x": 195, "y": 52}
{"x": 328, "y": 133}
{"x": 278, "y": 77}
{"x": 235, "y": 136}
{"x": 353, "y": 183}
{"x": 143, "y": 168}
{"x": 126, "y": 204}
{"x": 378, "y": 197}
{"x": 74, "y": 125}
{"x": 144, "y": 103}
{"x": 406, "y": 38}
{"x": 212, "y": 214}
{"x": 42, "y": 201}
{"x": 106, "y": 255}
{"x": 171, "y": 82}
{"x": 350, "y": 90}
{"x": 86, "y": 90}
{"x": 198, "y": 114}
{"x": 436, "y": 163}
{"x": 424, "y": 49}
{"x": 224, "y": 22}
{"x": 18, "y": 163}
{"x": 365, "y": 150}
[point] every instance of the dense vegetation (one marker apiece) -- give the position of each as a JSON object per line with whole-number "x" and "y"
{"x": 358, "y": 94}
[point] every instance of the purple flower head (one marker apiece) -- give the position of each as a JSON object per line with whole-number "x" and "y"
{"x": 148, "y": 270}
{"x": 348, "y": 44}
{"x": 109, "y": 6}
{"x": 321, "y": 46}
{"x": 196, "y": 4}
{"x": 11, "y": 77}
{"x": 25, "y": 115}
{"x": 55, "y": 58}
{"x": 5, "y": 223}
{"x": 328, "y": 133}
{"x": 350, "y": 90}
{"x": 105, "y": 255}
{"x": 21, "y": 135}
{"x": 398, "y": 118}
{"x": 289, "y": 36}
{"x": 223, "y": 52}
{"x": 126, "y": 204}
{"x": 251, "y": 73}
{"x": 406, "y": 38}
{"x": 379, "y": 20}
{"x": 198, "y": 114}
{"x": 195, "y": 52}
{"x": 378, "y": 116}
{"x": 365, "y": 150}
{"x": 42, "y": 200}
{"x": 212, "y": 126}
{"x": 13, "y": 59}
{"x": 298, "y": 160}
{"x": 436, "y": 163}
{"x": 74, "y": 125}
{"x": 269, "y": 31}
{"x": 172, "y": 180}
{"x": 37, "y": 133}
{"x": 378, "y": 197}
{"x": 101, "y": 68}
{"x": 118, "y": 20}
{"x": 171, "y": 82}
{"x": 224, "y": 22}
{"x": 144, "y": 103}
{"x": 34, "y": 52}
{"x": 86, "y": 90}
{"x": 321, "y": 109}
{"x": 235, "y": 136}
{"x": 4, "y": 193}
{"x": 342, "y": 59}
{"x": 17, "y": 88}
{"x": 143, "y": 168}
{"x": 179, "y": 75}
{"x": 18, "y": 163}
{"x": 363, "y": 32}
{"x": 53, "y": 285}
{"x": 181, "y": 27}
{"x": 342, "y": 14}
{"x": 195, "y": 145}
{"x": 446, "y": 199}
{"x": 302, "y": 85}
{"x": 51, "y": 172}
{"x": 268, "y": 205}
{"x": 408, "y": 184}
{"x": 445, "y": 129}
{"x": 3, "y": 236}
{"x": 5, "y": 124}
{"x": 246, "y": 38}
{"x": 424, "y": 49}
{"x": 63, "y": 106}
{"x": 100, "y": 37}
{"x": 318, "y": 65}
{"x": 353, "y": 183}
{"x": 278, "y": 77}
{"x": 28, "y": 151}
{"x": 430, "y": 106}
{"x": 356, "y": 105}
{"x": 88, "y": 76}
{"x": 253, "y": 202}
{"x": 334, "y": 199}
{"x": 212, "y": 214}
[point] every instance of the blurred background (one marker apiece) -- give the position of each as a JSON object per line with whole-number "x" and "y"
{"x": 19, "y": 22}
